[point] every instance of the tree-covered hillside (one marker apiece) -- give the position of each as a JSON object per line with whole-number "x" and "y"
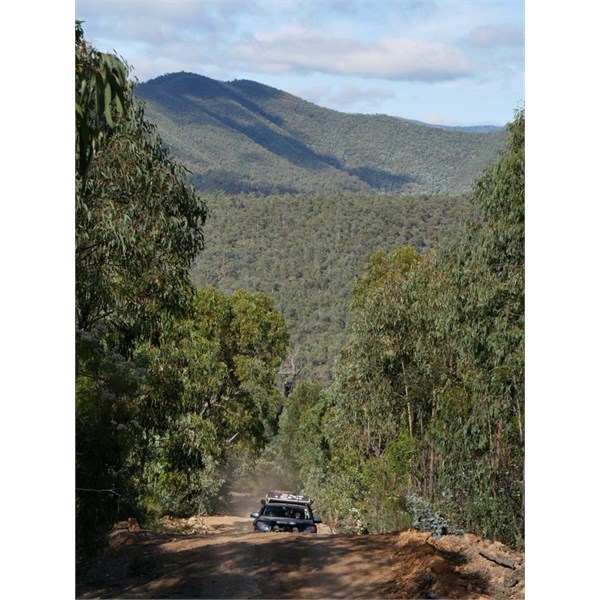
{"x": 242, "y": 136}
{"x": 423, "y": 425}
{"x": 306, "y": 251}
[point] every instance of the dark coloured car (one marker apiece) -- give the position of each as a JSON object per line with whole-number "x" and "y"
{"x": 278, "y": 516}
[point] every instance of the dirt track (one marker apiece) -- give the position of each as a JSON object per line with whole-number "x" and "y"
{"x": 220, "y": 557}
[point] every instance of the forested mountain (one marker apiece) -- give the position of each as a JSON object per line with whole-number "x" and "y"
{"x": 242, "y": 136}
{"x": 306, "y": 251}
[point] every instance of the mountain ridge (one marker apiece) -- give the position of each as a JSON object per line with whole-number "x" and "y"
{"x": 243, "y": 136}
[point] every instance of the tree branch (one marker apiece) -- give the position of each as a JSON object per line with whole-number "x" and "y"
{"x": 100, "y": 491}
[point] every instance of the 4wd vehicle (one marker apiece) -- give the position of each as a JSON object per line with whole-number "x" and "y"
{"x": 285, "y": 511}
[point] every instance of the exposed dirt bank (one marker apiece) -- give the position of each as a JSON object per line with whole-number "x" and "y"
{"x": 221, "y": 557}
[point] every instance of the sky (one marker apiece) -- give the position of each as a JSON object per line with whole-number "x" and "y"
{"x": 450, "y": 62}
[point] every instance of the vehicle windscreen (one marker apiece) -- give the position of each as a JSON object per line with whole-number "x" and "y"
{"x": 286, "y": 512}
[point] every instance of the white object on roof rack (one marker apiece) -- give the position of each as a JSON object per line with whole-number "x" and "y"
{"x": 284, "y": 496}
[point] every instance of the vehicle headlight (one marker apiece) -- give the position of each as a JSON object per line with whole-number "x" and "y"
{"x": 262, "y": 526}
{"x": 310, "y": 529}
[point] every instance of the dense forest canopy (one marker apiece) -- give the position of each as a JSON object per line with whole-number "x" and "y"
{"x": 422, "y": 420}
{"x": 305, "y": 251}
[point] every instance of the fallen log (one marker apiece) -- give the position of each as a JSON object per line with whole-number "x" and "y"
{"x": 500, "y": 560}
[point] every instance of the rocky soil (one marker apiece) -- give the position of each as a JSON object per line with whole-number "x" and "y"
{"x": 221, "y": 557}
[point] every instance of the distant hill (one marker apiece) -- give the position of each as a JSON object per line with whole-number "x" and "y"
{"x": 467, "y": 128}
{"x": 244, "y": 137}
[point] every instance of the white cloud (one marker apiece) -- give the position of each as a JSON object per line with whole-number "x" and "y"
{"x": 388, "y": 58}
{"x": 319, "y": 94}
{"x": 158, "y": 21}
{"x": 354, "y": 96}
{"x": 496, "y": 36}
{"x": 410, "y": 46}
{"x": 347, "y": 97}
{"x": 439, "y": 119}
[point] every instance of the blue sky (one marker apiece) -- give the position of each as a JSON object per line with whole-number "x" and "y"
{"x": 454, "y": 62}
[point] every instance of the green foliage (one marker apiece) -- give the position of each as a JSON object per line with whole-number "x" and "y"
{"x": 425, "y": 518}
{"x": 138, "y": 221}
{"x": 306, "y": 251}
{"x": 138, "y": 228}
{"x": 107, "y": 430}
{"x": 426, "y": 412}
{"x": 488, "y": 331}
{"x": 295, "y": 446}
{"x": 212, "y": 396}
{"x": 137, "y": 233}
{"x": 171, "y": 381}
{"x": 101, "y": 90}
{"x": 244, "y": 137}
{"x": 355, "y": 492}
{"x": 180, "y": 479}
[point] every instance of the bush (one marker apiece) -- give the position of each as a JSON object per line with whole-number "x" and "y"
{"x": 426, "y": 518}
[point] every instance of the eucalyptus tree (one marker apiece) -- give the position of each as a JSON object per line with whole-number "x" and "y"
{"x": 138, "y": 221}
{"x": 138, "y": 227}
{"x": 366, "y": 415}
{"x": 428, "y": 396}
{"x": 212, "y": 396}
{"x": 483, "y": 463}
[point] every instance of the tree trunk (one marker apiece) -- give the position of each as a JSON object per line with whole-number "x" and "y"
{"x": 432, "y": 448}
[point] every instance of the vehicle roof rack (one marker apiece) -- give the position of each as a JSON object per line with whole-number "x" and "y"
{"x": 280, "y": 496}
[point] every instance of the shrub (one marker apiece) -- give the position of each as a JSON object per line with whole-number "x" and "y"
{"x": 426, "y": 518}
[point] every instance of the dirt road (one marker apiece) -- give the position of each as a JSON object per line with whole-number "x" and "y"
{"x": 220, "y": 557}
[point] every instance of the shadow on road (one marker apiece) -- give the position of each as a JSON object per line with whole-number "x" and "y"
{"x": 229, "y": 560}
